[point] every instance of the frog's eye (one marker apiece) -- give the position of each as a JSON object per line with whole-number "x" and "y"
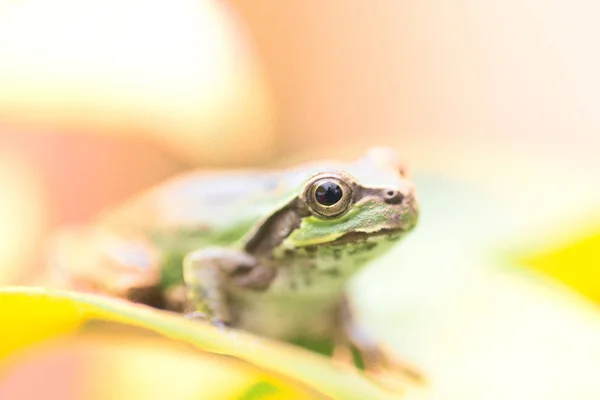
{"x": 329, "y": 196}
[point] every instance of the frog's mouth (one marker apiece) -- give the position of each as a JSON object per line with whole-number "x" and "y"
{"x": 357, "y": 237}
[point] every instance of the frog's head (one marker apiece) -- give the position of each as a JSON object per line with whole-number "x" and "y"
{"x": 372, "y": 197}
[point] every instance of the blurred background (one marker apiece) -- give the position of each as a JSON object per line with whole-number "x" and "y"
{"x": 493, "y": 104}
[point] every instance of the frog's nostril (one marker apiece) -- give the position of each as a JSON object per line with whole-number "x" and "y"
{"x": 393, "y": 196}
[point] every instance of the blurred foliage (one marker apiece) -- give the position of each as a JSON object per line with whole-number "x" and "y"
{"x": 105, "y": 348}
{"x": 575, "y": 263}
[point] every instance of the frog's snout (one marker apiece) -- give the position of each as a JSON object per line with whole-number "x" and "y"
{"x": 407, "y": 200}
{"x": 404, "y": 201}
{"x": 412, "y": 210}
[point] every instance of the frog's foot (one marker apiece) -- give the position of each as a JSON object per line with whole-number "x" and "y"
{"x": 380, "y": 361}
{"x": 375, "y": 358}
{"x": 209, "y": 273}
{"x": 202, "y": 317}
{"x": 197, "y": 316}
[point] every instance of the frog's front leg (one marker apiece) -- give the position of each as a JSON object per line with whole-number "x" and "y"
{"x": 209, "y": 273}
{"x": 376, "y": 358}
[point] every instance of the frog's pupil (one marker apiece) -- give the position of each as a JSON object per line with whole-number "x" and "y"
{"x": 328, "y": 193}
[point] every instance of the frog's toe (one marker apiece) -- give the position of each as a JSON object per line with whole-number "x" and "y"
{"x": 202, "y": 317}
{"x": 197, "y": 316}
{"x": 379, "y": 360}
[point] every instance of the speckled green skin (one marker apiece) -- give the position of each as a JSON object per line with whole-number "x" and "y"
{"x": 313, "y": 260}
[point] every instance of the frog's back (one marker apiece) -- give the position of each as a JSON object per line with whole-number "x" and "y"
{"x": 219, "y": 205}
{"x": 143, "y": 241}
{"x": 191, "y": 211}
{"x": 199, "y": 201}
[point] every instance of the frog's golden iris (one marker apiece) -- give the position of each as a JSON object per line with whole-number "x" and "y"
{"x": 329, "y": 195}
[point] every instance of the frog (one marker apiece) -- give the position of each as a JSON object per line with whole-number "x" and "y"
{"x": 266, "y": 251}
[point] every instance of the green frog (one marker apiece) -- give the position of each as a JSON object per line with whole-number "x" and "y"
{"x": 265, "y": 251}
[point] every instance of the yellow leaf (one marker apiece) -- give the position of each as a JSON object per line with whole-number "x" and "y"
{"x": 144, "y": 352}
{"x": 575, "y": 263}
